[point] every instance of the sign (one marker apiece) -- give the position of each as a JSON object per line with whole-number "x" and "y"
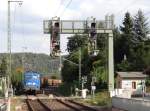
{"x": 93, "y": 87}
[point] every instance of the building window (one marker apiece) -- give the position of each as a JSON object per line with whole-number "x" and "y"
{"x": 133, "y": 85}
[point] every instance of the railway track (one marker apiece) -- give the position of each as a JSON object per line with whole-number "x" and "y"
{"x": 76, "y": 106}
{"x": 36, "y": 105}
{"x": 55, "y": 104}
{"x": 65, "y": 105}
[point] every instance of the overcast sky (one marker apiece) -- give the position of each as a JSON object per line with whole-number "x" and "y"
{"x": 27, "y": 20}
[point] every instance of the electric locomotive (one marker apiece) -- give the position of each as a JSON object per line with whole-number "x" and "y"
{"x": 31, "y": 81}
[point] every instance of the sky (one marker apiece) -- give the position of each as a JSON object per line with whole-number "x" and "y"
{"x": 27, "y": 19}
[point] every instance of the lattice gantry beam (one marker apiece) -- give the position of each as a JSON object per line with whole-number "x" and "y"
{"x": 55, "y": 27}
{"x": 78, "y": 26}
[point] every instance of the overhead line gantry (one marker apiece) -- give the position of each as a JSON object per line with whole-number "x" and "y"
{"x": 92, "y": 27}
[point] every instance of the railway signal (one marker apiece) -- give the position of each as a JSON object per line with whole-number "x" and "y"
{"x": 92, "y": 49}
{"x": 90, "y": 27}
{"x": 55, "y": 37}
{"x": 93, "y": 30}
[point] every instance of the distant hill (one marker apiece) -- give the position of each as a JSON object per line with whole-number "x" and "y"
{"x": 30, "y": 61}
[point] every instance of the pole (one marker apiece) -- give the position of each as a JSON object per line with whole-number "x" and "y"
{"x": 8, "y": 48}
{"x": 79, "y": 66}
{"x": 110, "y": 62}
{"x": 9, "y": 52}
{"x": 9, "y": 42}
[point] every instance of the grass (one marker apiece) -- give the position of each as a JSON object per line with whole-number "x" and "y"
{"x": 148, "y": 89}
{"x": 100, "y": 99}
{"x": 15, "y": 102}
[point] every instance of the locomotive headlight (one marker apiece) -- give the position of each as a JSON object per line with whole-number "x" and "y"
{"x": 29, "y": 83}
{"x": 33, "y": 83}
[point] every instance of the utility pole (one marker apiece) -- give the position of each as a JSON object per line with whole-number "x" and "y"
{"x": 8, "y": 46}
{"x": 9, "y": 50}
{"x": 9, "y": 40}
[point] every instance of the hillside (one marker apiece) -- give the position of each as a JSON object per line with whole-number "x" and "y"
{"x": 30, "y": 61}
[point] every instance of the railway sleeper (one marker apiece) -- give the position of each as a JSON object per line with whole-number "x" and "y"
{"x": 82, "y": 105}
{"x": 29, "y": 105}
{"x": 42, "y": 104}
{"x": 78, "y": 104}
{"x": 68, "y": 105}
{"x": 45, "y": 106}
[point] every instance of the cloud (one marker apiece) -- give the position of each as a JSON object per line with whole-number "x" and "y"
{"x": 27, "y": 20}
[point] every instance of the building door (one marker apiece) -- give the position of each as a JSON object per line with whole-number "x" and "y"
{"x": 133, "y": 85}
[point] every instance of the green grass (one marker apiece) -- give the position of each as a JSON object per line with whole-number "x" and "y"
{"x": 100, "y": 99}
{"x": 15, "y": 102}
{"x": 148, "y": 89}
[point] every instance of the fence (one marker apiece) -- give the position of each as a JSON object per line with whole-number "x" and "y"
{"x": 3, "y": 107}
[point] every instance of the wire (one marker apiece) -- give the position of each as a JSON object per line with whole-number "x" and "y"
{"x": 127, "y": 6}
{"x": 61, "y": 3}
{"x": 66, "y": 8}
{"x": 13, "y": 26}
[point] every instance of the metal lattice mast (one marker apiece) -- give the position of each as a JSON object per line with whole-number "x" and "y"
{"x": 9, "y": 58}
{"x": 8, "y": 44}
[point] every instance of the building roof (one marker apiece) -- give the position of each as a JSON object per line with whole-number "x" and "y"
{"x": 131, "y": 74}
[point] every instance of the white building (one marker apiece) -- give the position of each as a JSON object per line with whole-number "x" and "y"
{"x": 133, "y": 82}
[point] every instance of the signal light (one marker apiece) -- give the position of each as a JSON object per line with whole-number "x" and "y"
{"x": 56, "y": 24}
{"x": 93, "y": 25}
{"x": 93, "y": 30}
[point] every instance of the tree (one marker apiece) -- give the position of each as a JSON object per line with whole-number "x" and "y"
{"x": 126, "y": 35}
{"x": 76, "y": 41}
{"x": 70, "y": 71}
{"x": 140, "y": 49}
{"x": 118, "y": 55}
{"x": 124, "y": 66}
{"x": 141, "y": 28}
{"x": 3, "y": 67}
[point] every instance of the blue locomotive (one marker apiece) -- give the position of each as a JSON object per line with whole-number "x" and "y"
{"x": 31, "y": 81}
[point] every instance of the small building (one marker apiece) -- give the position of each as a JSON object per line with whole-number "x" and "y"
{"x": 131, "y": 81}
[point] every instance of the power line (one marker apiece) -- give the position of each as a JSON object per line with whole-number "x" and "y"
{"x": 66, "y": 8}
{"x": 127, "y": 6}
{"x": 61, "y": 3}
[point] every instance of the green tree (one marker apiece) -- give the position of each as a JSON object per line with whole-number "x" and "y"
{"x": 76, "y": 41}
{"x": 140, "y": 49}
{"x": 3, "y": 67}
{"x": 16, "y": 79}
{"x": 141, "y": 28}
{"x": 124, "y": 66}
{"x": 118, "y": 54}
{"x": 126, "y": 36}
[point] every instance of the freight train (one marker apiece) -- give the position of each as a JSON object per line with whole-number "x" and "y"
{"x": 46, "y": 82}
{"x": 31, "y": 81}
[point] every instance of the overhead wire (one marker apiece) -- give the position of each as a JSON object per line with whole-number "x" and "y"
{"x": 57, "y": 10}
{"x": 128, "y": 6}
{"x": 62, "y": 13}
